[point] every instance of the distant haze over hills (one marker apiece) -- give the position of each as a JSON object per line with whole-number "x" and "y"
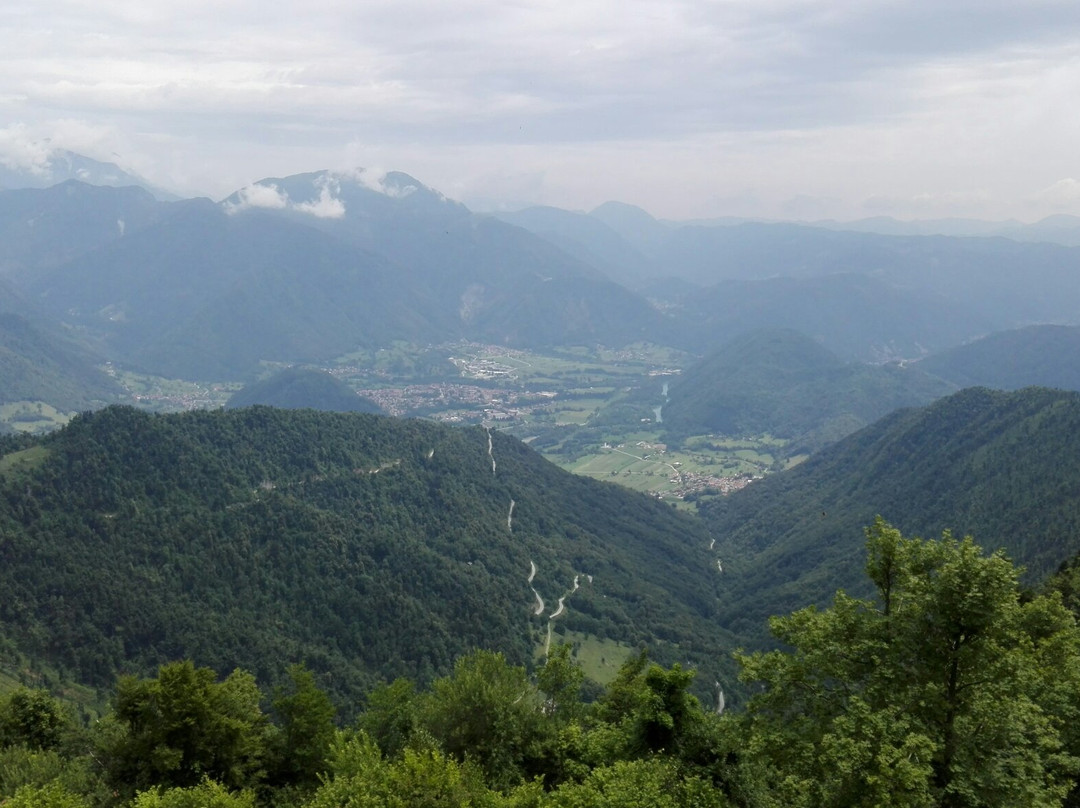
{"x": 783, "y": 383}
{"x": 60, "y": 165}
{"x": 1040, "y": 355}
{"x": 305, "y": 268}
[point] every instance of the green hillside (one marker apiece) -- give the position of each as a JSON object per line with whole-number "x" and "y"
{"x": 366, "y": 546}
{"x": 783, "y": 383}
{"x": 38, "y": 365}
{"x": 1041, "y": 355}
{"x": 1004, "y": 467}
{"x": 302, "y": 388}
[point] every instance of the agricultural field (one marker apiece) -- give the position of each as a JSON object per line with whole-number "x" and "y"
{"x": 595, "y": 412}
{"x": 158, "y": 394}
{"x": 17, "y": 464}
{"x": 600, "y": 659}
{"x": 32, "y": 416}
{"x": 641, "y": 461}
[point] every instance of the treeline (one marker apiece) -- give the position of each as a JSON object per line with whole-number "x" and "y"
{"x": 950, "y": 687}
{"x": 487, "y": 734}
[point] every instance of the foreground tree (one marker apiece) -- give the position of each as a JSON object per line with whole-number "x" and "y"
{"x": 185, "y": 726}
{"x": 489, "y": 712}
{"x": 32, "y": 718}
{"x": 948, "y": 690}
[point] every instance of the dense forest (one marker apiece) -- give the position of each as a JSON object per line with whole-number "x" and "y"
{"x": 362, "y": 545}
{"x": 784, "y": 383}
{"x": 948, "y": 686}
{"x": 301, "y": 609}
{"x": 1004, "y": 467}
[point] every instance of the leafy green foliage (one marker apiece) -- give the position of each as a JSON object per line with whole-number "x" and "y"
{"x": 425, "y": 778}
{"x": 207, "y": 794}
{"x": 632, "y": 783}
{"x": 950, "y": 689}
{"x": 306, "y": 718}
{"x": 52, "y": 795}
{"x": 1003, "y": 466}
{"x": 32, "y": 718}
{"x": 489, "y": 712}
{"x": 367, "y": 547}
{"x": 560, "y": 681}
{"x": 184, "y": 725}
{"x": 946, "y": 691}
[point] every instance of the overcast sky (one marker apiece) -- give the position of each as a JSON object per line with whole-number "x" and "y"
{"x": 780, "y": 108}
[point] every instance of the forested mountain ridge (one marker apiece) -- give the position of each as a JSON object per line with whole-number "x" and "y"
{"x": 784, "y": 383}
{"x": 41, "y": 365}
{"x": 366, "y": 546}
{"x": 302, "y": 388}
{"x": 1039, "y": 355}
{"x": 301, "y": 269}
{"x": 1003, "y": 467}
{"x": 42, "y": 228}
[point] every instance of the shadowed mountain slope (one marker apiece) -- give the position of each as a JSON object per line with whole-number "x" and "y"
{"x": 784, "y": 383}
{"x": 1044, "y": 356}
{"x": 302, "y": 388}
{"x": 39, "y": 365}
{"x": 1004, "y": 467}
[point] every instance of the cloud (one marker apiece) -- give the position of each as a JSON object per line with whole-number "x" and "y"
{"x": 327, "y": 206}
{"x": 32, "y": 148}
{"x": 784, "y": 99}
{"x": 377, "y": 180}
{"x": 270, "y": 197}
{"x": 1064, "y": 193}
{"x": 258, "y": 196}
{"x": 20, "y": 151}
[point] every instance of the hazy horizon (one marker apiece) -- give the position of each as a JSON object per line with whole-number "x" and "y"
{"x": 780, "y": 109}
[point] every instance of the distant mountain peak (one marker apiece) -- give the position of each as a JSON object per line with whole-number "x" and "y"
{"x": 331, "y": 194}
{"x": 50, "y": 166}
{"x": 634, "y": 224}
{"x": 612, "y": 207}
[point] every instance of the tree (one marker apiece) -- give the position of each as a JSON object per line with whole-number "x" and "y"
{"x": 655, "y": 782}
{"x": 560, "y": 681}
{"x": 184, "y": 726}
{"x": 51, "y": 795}
{"x": 938, "y": 693}
{"x": 489, "y": 712}
{"x": 32, "y": 718}
{"x": 360, "y": 777}
{"x": 206, "y": 794}
{"x": 648, "y": 710}
{"x": 306, "y": 722}
{"x": 391, "y": 718}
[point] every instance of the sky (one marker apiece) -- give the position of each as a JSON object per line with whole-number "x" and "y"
{"x": 789, "y": 109}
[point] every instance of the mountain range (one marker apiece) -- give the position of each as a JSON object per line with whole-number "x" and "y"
{"x": 55, "y": 166}
{"x": 308, "y": 267}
